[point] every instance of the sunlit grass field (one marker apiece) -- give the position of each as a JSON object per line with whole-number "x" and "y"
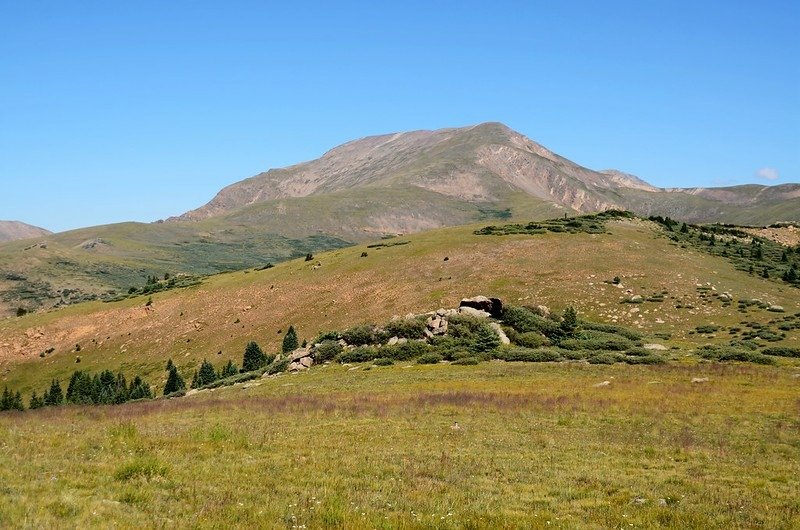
{"x": 498, "y": 445}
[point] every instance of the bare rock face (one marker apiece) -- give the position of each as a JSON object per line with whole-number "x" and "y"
{"x": 299, "y": 353}
{"x": 492, "y": 306}
{"x": 300, "y": 359}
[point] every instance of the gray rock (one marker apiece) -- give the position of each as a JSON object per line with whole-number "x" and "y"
{"x": 542, "y": 310}
{"x": 657, "y": 347}
{"x": 775, "y": 309}
{"x": 500, "y": 333}
{"x": 699, "y": 379}
{"x": 636, "y": 299}
{"x": 299, "y": 353}
{"x": 307, "y": 362}
{"x": 393, "y": 341}
{"x": 471, "y": 311}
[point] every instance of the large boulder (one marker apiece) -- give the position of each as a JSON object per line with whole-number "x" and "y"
{"x": 472, "y": 312}
{"x": 493, "y": 306}
{"x": 299, "y": 353}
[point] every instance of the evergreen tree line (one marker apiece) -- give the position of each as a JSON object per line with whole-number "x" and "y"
{"x": 253, "y": 359}
{"x": 104, "y": 388}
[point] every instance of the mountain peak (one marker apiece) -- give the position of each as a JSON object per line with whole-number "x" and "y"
{"x": 13, "y": 230}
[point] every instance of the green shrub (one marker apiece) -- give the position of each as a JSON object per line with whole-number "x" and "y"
{"x": 782, "y": 351}
{"x": 467, "y": 361}
{"x": 529, "y": 355}
{"x": 606, "y": 358}
{"x": 405, "y": 351}
{"x": 707, "y": 329}
{"x": 361, "y": 354}
{"x": 408, "y": 328}
{"x": 525, "y": 320}
{"x": 363, "y": 335}
{"x": 575, "y": 355}
{"x": 327, "y": 335}
{"x": 277, "y": 366}
{"x": 622, "y": 331}
{"x": 638, "y": 352}
{"x": 383, "y": 361}
{"x": 726, "y": 353}
{"x": 597, "y": 341}
{"x": 744, "y": 344}
{"x": 528, "y": 339}
{"x": 430, "y": 358}
{"x": 327, "y": 351}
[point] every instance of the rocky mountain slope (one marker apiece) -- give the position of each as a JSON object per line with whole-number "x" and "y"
{"x": 487, "y": 164}
{"x": 13, "y": 230}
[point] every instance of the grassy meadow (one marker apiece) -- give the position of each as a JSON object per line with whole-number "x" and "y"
{"x": 495, "y": 445}
{"x": 537, "y": 446}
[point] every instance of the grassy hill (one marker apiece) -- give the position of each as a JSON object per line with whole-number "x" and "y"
{"x": 103, "y": 262}
{"x": 497, "y": 445}
{"x": 340, "y": 288}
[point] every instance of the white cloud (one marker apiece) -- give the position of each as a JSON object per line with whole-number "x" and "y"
{"x": 767, "y": 173}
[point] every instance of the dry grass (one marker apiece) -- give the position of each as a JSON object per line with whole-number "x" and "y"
{"x": 229, "y": 310}
{"x": 539, "y": 446}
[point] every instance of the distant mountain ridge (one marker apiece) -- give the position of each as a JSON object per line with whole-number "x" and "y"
{"x": 486, "y": 164}
{"x": 14, "y": 230}
{"x": 363, "y": 190}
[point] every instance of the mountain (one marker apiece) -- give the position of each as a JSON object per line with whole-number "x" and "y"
{"x": 13, "y": 230}
{"x": 367, "y": 189}
{"x": 494, "y": 168}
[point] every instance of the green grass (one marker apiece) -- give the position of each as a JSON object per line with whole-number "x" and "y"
{"x": 539, "y": 446}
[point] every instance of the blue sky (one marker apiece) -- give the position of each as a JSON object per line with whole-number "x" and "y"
{"x": 114, "y": 111}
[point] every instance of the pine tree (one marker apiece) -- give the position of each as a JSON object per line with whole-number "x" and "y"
{"x": 684, "y": 229}
{"x": 290, "y": 342}
{"x": 139, "y": 389}
{"x": 229, "y": 369}
{"x": 5, "y": 401}
{"x": 120, "y": 389}
{"x": 485, "y": 339}
{"x": 175, "y": 382}
{"x": 106, "y": 387}
{"x": 170, "y": 365}
{"x": 207, "y": 374}
{"x": 790, "y": 275}
{"x": 253, "y": 358}
{"x": 54, "y": 396}
{"x": 569, "y": 323}
{"x": 16, "y": 402}
{"x": 36, "y": 402}
{"x": 82, "y": 389}
{"x": 195, "y": 380}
